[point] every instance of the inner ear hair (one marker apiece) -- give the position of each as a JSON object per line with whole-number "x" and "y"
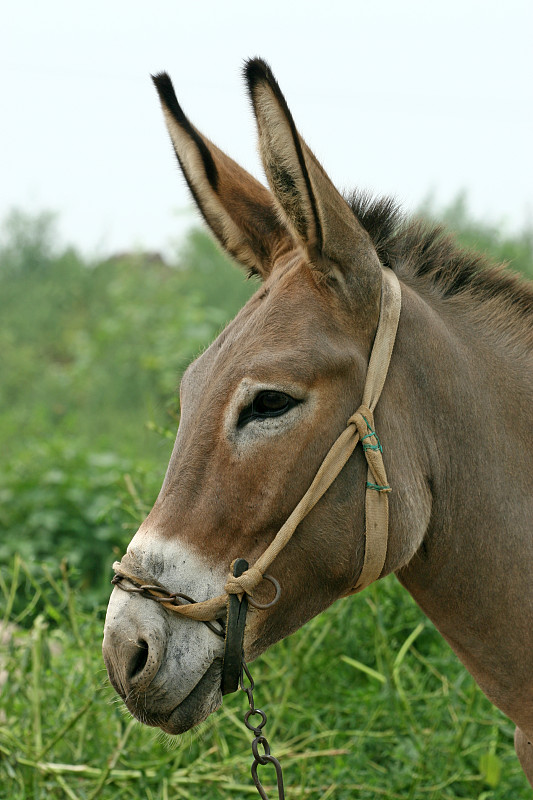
{"x": 240, "y": 211}
{"x": 314, "y": 209}
{"x": 282, "y": 154}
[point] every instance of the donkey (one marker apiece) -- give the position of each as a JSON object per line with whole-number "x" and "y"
{"x": 263, "y": 404}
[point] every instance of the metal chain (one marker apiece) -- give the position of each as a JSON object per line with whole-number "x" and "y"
{"x": 162, "y": 595}
{"x": 260, "y": 739}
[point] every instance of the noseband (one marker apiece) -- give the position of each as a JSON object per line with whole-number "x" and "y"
{"x": 243, "y": 579}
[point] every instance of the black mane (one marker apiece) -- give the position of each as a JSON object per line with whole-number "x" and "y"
{"x": 429, "y": 254}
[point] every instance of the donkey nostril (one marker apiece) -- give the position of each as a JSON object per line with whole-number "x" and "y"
{"x": 138, "y": 662}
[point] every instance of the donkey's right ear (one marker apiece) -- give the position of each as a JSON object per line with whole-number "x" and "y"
{"x": 240, "y": 211}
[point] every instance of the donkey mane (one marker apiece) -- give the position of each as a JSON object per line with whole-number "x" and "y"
{"x": 429, "y": 255}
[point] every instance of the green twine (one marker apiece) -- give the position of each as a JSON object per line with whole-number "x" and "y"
{"x": 377, "y": 487}
{"x": 368, "y": 435}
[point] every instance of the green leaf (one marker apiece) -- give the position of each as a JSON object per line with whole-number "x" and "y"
{"x": 490, "y": 767}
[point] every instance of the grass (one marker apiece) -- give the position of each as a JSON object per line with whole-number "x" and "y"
{"x": 365, "y": 702}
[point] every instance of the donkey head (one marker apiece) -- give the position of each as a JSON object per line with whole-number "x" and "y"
{"x": 260, "y": 409}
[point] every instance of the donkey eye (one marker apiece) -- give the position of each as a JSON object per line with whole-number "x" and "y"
{"x": 271, "y": 403}
{"x": 266, "y": 404}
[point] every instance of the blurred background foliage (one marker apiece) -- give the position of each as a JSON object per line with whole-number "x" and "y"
{"x": 90, "y": 353}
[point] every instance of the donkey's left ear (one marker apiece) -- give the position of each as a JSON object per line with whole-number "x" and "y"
{"x": 240, "y": 211}
{"x": 313, "y": 208}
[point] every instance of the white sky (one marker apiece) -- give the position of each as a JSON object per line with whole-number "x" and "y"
{"x": 402, "y": 98}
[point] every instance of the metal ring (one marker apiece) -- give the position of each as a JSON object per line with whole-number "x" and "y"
{"x": 262, "y": 606}
{"x": 261, "y": 740}
{"x": 246, "y": 671}
{"x": 260, "y": 725}
{"x": 279, "y": 776}
{"x": 219, "y": 631}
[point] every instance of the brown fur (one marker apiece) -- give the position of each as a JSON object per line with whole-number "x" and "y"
{"x": 454, "y": 416}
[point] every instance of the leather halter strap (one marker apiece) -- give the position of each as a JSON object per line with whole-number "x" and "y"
{"x": 360, "y": 427}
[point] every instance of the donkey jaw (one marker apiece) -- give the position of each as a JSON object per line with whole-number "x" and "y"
{"x": 167, "y": 671}
{"x": 204, "y": 699}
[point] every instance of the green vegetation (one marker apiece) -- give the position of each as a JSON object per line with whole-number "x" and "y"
{"x": 91, "y": 355}
{"x": 366, "y": 701}
{"x": 409, "y": 724}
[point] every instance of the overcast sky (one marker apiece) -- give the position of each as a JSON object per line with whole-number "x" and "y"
{"x": 402, "y": 98}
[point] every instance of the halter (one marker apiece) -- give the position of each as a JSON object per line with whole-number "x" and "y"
{"x": 243, "y": 579}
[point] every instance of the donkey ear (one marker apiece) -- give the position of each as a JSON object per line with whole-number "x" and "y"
{"x": 239, "y": 210}
{"x": 315, "y": 211}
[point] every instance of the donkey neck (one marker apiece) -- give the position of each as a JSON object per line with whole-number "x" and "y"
{"x": 460, "y": 418}
{"x": 462, "y": 507}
